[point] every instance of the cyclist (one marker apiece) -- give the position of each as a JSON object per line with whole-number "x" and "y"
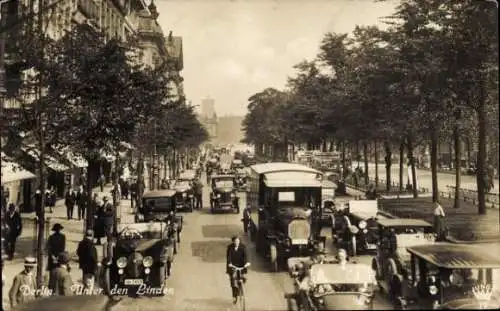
{"x": 236, "y": 258}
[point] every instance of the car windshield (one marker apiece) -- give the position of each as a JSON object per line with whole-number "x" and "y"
{"x": 131, "y": 233}
{"x": 224, "y": 183}
{"x": 160, "y": 203}
{"x": 326, "y": 288}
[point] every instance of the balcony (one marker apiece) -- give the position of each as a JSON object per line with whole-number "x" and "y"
{"x": 149, "y": 27}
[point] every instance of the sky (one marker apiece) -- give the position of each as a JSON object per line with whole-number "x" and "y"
{"x": 236, "y": 48}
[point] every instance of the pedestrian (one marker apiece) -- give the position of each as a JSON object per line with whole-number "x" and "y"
{"x": 99, "y": 220}
{"x": 82, "y": 202}
{"x": 109, "y": 247}
{"x": 48, "y": 202}
{"x": 87, "y": 256}
{"x": 78, "y": 196}
{"x": 56, "y": 244}
{"x": 52, "y": 197}
{"x": 198, "y": 192}
{"x": 69, "y": 201}
{"x": 108, "y": 216}
{"x": 15, "y": 228}
{"x": 38, "y": 202}
{"x": 439, "y": 222}
{"x": 60, "y": 282}
{"x": 133, "y": 191}
{"x": 102, "y": 181}
{"x": 125, "y": 190}
{"x": 24, "y": 285}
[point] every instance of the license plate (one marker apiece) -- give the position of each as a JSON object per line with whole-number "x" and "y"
{"x": 372, "y": 246}
{"x": 134, "y": 281}
{"x": 299, "y": 241}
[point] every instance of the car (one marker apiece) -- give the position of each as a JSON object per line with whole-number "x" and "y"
{"x": 284, "y": 201}
{"x": 184, "y": 195}
{"x": 224, "y": 195}
{"x": 335, "y": 287}
{"x": 159, "y": 205}
{"x": 450, "y": 276}
{"x": 356, "y": 227}
{"x": 142, "y": 259}
{"x": 395, "y": 235}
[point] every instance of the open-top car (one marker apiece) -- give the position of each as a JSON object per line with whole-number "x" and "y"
{"x": 395, "y": 235}
{"x": 184, "y": 195}
{"x": 356, "y": 228}
{"x": 159, "y": 205}
{"x": 336, "y": 286}
{"x": 224, "y": 195}
{"x": 450, "y": 276}
{"x": 142, "y": 259}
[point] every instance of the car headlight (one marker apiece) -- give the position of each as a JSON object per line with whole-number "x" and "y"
{"x": 147, "y": 261}
{"x": 121, "y": 262}
{"x": 362, "y": 224}
{"x": 365, "y": 231}
{"x": 218, "y": 195}
{"x": 433, "y": 289}
{"x": 184, "y": 195}
{"x": 140, "y": 217}
{"x": 120, "y": 271}
{"x": 147, "y": 270}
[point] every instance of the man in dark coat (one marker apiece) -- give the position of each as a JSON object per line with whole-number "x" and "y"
{"x": 108, "y": 217}
{"x": 87, "y": 256}
{"x": 15, "y": 228}
{"x": 236, "y": 255}
{"x": 56, "y": 244}
{"x": 82, "y": 202}
{"x": 60, "y": 281}
{"x": 69, "y": 201}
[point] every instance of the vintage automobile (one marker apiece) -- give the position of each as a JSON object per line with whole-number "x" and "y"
{"x": 284, "y": 201}
{"x": 327, "y": 203}
{"x": 184, "y": 195}
{"x": 335, "y": 287}
{"x": 142, "y": 258}
{"x": 356, "y": 227}
{"x": 450, "y": 277}
{"x": 395, "y": 235}
{"x": 159, "y": 205}
{"x": 187, "y": 175}
{"x": 224, "y": 195}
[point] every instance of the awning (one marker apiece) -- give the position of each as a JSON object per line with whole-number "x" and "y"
{"x": 12, "y": 171}
{"x": 50, "y": 161}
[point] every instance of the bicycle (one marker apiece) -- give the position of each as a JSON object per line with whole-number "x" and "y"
{"x": 240, "y": 282}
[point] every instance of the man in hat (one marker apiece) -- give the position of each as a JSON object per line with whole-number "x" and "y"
{"x": 24, "y": 284}
{"x": 60, "y": 282}
{"x": 56, "y": 244}
{"x": 15, "y": 226}
{"x": 87, "y": 256}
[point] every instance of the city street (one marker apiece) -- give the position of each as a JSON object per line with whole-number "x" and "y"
{"x": 198, "y": 280}
{"x": 424, "y": 177}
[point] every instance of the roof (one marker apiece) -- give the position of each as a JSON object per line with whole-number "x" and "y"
{"x": 291, "y": 179}
{"x": 265, "y": 168}
{"x": 351, "y": 273}
{"x": 458, "y": 256}
{"x": 11, "y": 171}
{"x": 159, "y": 193}
{"x": 223, "y": 176}
{"x": 403, "y": 222}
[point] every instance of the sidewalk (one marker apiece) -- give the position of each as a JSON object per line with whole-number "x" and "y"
{"x": 26, "y": 244}
{"x": 464, "y": 223}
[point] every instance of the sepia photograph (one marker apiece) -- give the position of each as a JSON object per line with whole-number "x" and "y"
{"x": 249, "y": 155}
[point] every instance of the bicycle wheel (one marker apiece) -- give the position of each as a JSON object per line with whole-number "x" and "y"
{"x": 242, "y": 296}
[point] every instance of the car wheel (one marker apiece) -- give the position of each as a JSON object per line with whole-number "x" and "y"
{"x": 273, "y": 254}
